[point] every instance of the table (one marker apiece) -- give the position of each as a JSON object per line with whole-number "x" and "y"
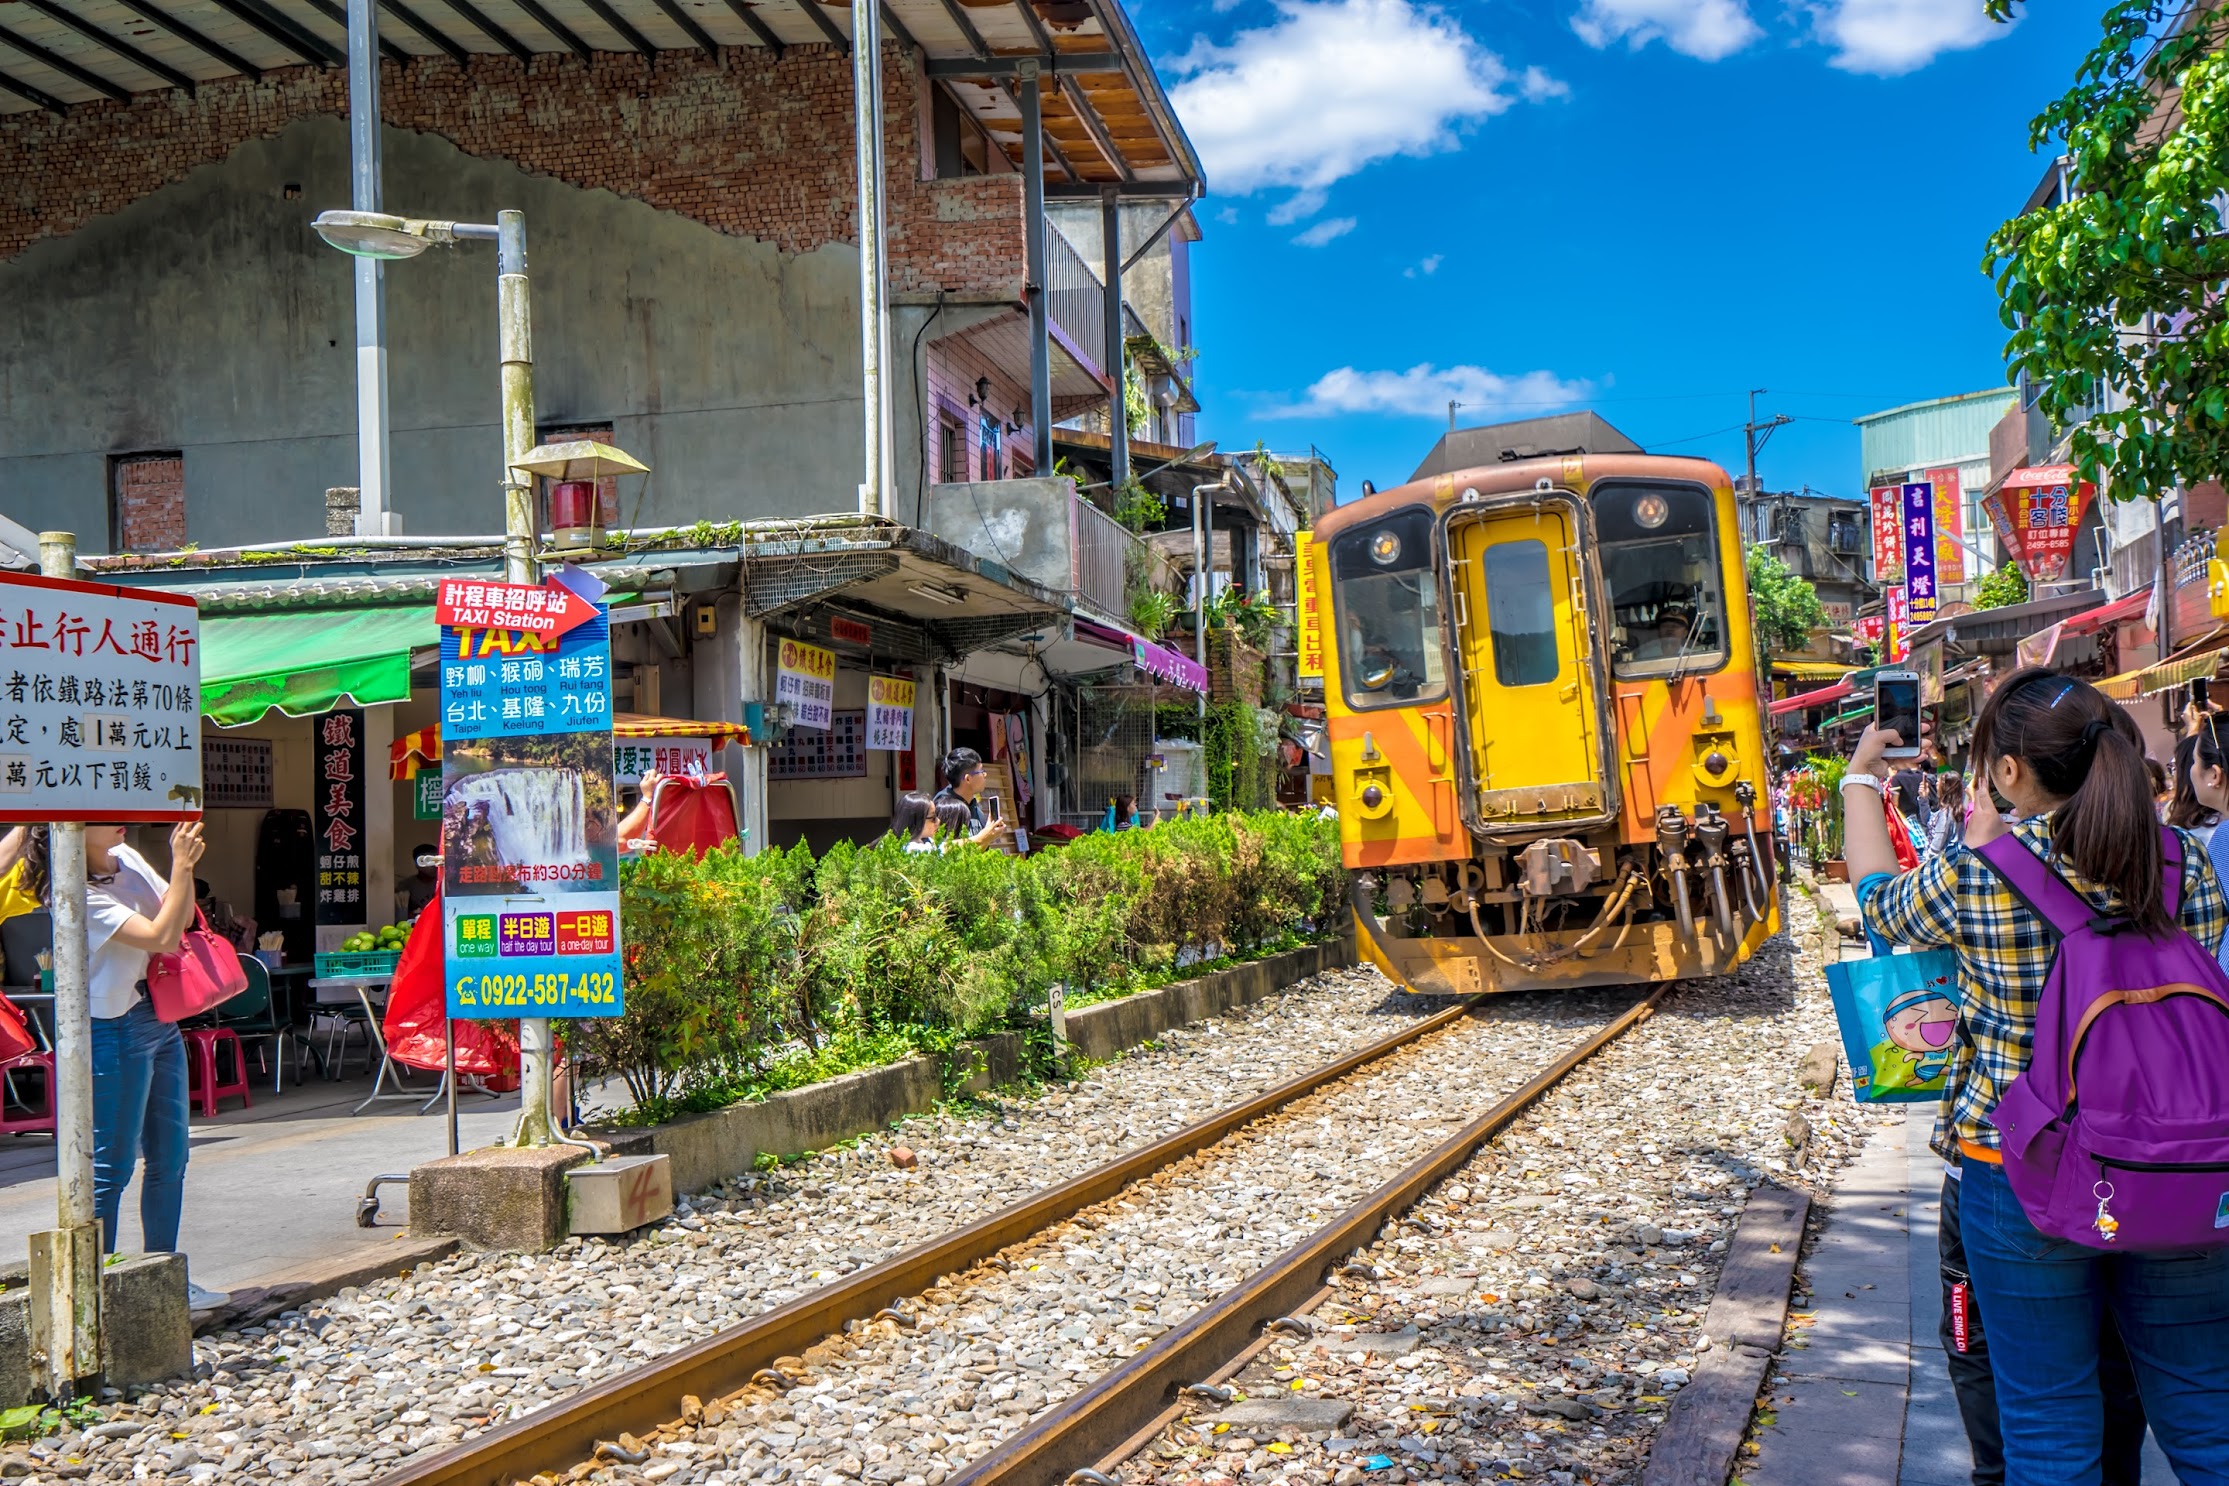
{"x": 339, "y": 990}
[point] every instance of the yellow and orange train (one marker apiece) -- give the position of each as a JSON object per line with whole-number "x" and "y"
{"x": 1547, "y": 743}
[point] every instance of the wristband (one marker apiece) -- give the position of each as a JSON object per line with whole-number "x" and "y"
{"x": 1870, "y": 781}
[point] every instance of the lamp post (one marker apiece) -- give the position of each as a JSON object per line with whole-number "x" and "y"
{"x": 377, "y": 235}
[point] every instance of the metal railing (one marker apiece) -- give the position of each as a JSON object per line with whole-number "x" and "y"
{"x": 1110, "y": 561}
{"x": 1075, "y": 299}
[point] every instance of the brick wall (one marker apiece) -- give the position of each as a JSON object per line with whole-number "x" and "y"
{"x": 147, "y": 502}
{"x": 741, "y": 141}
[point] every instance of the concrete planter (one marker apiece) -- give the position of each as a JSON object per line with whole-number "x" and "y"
{"x": 146, "y": 1335}
{"x": 711, "y": 1147}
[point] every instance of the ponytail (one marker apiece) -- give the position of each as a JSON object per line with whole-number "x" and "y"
{"x": 38, "y": 864}
{"x": 2085, "y": 750}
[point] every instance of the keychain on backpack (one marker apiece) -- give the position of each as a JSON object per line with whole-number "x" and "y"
{"x": 2106, "y": 1224}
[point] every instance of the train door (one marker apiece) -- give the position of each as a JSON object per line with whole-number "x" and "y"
{"x": 1529, "y": 671}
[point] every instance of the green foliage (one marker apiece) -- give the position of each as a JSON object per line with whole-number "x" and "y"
{"x": 1241, "y": 761}
{"x": 1180, "y": 720}
{"x": 1138, "y": 508}
{"x": 1152, "y": 611}
{"x": 1250, "y": 616}
{"x": 1786, "y": 607}
{"x": 2118, "y": 287}
{"x": 2006, "y": 585}
{"x": 747, "y": 975}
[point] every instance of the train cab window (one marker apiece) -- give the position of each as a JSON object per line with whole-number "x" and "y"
{"x": 1659, "y": 546}
{"x": 1391, "y": 652}
{"x": 1521, "y": 614}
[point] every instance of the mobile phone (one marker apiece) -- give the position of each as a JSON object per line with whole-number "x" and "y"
{"x": 995, "y": 811}
{"x": 1896, "y": 707}
{"x": 2198, "y": 691}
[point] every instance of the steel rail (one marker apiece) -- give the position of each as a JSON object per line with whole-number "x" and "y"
{"x": 1108, "y": 1417}
{"x": 566, "y": 1431}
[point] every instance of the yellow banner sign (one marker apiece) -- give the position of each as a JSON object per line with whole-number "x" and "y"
{"x": 1309, "y": 621}
{"x": 889, "y": 714}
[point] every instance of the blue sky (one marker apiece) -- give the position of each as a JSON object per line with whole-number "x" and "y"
{"x": 1642, "y": 206}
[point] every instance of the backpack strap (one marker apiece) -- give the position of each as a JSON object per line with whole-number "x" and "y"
{"x": 2031, "y": 880}
{"x": 2171, "y": 871}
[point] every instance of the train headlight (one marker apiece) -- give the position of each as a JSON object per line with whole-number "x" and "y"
{"x": 1372, "y": 796}
{"x": 1650, "y": 511}
{"x": 1385, "y": 548}
{"x": 1714, "y": 762}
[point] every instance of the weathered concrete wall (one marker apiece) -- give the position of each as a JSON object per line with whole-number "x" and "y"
{"x": 1027, "y": 525}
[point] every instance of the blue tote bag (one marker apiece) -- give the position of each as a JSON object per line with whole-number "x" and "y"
{"x": 1898, "y": 1014}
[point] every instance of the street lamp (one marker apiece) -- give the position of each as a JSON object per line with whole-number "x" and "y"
{"x": 379, "y": 235}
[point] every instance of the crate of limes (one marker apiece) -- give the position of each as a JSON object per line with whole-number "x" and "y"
{"x": 370, "y": 953}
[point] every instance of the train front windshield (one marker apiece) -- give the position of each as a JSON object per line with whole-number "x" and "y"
{"x": 1659, "y": 547}
{"x": 1391, "y": 650}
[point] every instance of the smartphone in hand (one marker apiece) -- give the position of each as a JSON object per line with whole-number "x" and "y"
{"x": 1896, "y": 708}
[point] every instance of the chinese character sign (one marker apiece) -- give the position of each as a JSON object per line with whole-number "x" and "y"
{"x": 1888, "y": 536}
{"x": 1308, "y": 594}
{"x": 1899, "y": 628}
{"x": 805, "y": 678}
{"x": 100, "y": 702}
{"x": 1950, "y": 526}
{"x": 1919, "y": 550}
{"x": 337, "y": 818}
{"x": 2036, "y": 514}
{"x": 631, "y": 758}
{"x": 529, "y": 828}
{"x": 889, "y": 714}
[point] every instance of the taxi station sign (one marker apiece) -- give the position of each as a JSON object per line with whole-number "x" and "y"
{"x": 529, "y": 824}
{"x": 100, "y": 703}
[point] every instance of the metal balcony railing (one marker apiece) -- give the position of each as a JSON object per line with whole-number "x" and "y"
{"x": 1110, "y": 560}
{"x": 1075, "y": 300}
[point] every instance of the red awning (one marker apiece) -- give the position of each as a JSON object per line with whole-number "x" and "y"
{"x": 1819, "y": 698}
{"x": 2090, "y": 621}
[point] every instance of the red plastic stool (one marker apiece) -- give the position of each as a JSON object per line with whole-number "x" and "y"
{"x": 35, "y": 1118}
{"x": 201, "y": 1067}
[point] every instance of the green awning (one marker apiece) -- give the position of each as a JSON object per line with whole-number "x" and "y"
{"x": 1850, "y": 716}
{"x": 305, "y": 661}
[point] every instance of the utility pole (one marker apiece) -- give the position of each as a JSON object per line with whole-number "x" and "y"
{"x": 374, "y": 460}
{"x": 1452, "y": 405}
{"x": 1755, "y": 436}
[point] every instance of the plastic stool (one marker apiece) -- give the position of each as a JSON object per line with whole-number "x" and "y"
{"x": 201, "y": 1068}
{"x": 39, "y": 1117}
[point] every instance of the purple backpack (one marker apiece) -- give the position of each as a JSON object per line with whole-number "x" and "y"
{"x": 2117, "y": 1135}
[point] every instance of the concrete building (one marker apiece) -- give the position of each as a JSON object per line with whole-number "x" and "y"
{"x": 1822, "y": 538}
{"x": 1942, "y": 434}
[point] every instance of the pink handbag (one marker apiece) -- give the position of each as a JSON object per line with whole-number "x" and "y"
{"x": 206, "y": 972}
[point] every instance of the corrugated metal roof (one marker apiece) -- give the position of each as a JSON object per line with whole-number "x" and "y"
{"x": 1940, "y": 431}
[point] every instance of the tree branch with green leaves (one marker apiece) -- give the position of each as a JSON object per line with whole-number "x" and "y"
{"x": 2119, "y": 285}
{"x": 1785, "y": 607}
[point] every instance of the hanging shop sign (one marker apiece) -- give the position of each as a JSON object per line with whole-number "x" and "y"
{"x": 545, "y": 609}
{"x": 1919, "y": 551}
{"x": 1950, "y": 526}
{"x": 1308, "y": 620}
{"x": 1897, "y": 635}
{"x": 100, "y": 703}
{"x": 805, "y": 678}
{"x": 2036, "y": 513}
{"x": 1868, "y": 629}
{"x": 337, "y": 820}
{"x": 889, "y": 714}
{"x": 1888, "y": 535}
{"x": 530, "y": 865}
{"x": 425, "y": 795}
{"x": 675, "y": 757}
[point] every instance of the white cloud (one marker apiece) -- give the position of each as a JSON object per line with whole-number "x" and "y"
{"x": 1895, "y": 36}
{"x": 1538, "y": 87}
{"x": 1294, "y": 208}
{"x": 1228, "y": 216}
{"x": 1426, "y": 268}
{"x": 1325, "y": 231}
{"x": 1424, "y": 390}
{"x": 1329, "y": 88}
{"x": 1704, "y": 29}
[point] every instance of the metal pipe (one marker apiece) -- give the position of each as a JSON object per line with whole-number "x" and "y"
{"x": 1033, "y": 237}
{"x": 373, "y": 442}
{"x": 1203, "y": 540}
{"x": 866, "y": 88}
{"x": 1118, "y": 407}
{"x": 1721, "y": 902}
{"x": 71, "y": 1298}
{"x": 1682, "y": 910}
{"x": 515, "y": 328}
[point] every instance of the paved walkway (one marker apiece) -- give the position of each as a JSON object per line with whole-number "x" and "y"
{"x": 271, "y": 1187}
{"x": 1862, "y": 1396}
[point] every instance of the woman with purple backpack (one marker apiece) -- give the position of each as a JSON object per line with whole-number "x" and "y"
{"x": 2088, "y": 849}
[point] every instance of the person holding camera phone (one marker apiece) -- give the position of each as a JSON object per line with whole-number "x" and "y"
{"x": 964, "y": 778}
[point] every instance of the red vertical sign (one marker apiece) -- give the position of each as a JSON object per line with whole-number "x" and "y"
{"x": 1950, "y": 526}
{"x": 1888, "y": 534}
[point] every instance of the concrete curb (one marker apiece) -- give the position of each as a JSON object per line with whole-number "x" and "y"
{"x": 710, "y": 1147}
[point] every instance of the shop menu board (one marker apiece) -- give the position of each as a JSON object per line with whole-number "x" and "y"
{"x": 529, "y": 829}
{"x": 337, "y": 820}
{"x": 100, "y": 702}
{"x": 838, "y": 752}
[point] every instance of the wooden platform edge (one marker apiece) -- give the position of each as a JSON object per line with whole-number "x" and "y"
{"x": 1703, "y": 1429}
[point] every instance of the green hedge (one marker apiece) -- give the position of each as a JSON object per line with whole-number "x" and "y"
{"x": 749, "y": 973}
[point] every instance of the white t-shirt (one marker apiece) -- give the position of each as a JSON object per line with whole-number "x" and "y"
{"x": 114, "y": 971}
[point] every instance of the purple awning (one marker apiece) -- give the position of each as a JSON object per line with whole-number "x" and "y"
{"x": 1155, "y": 660}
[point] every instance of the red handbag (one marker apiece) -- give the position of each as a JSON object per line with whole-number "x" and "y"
{"x": 204, "y": 973}
{"x": 15, "y": 1036}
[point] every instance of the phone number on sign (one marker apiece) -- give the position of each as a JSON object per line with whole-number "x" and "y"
{"x": 552, "y": 988}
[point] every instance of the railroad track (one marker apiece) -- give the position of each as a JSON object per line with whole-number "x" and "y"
{"x": 1102, "y": 1422}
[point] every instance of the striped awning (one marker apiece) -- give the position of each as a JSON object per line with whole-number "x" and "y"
{"x": 1811, "y": 670}
{"x": 1806, "y": 699}
{"x": 2181, "y": 670}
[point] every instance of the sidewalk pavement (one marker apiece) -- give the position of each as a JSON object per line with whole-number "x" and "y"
{"x": 273, "y": 1186}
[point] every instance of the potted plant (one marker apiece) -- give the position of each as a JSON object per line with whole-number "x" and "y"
{"x": 1824, "y": 790}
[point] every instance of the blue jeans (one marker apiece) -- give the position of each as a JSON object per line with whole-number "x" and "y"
{"x": 2041, "y": 1302}
{"x": 139, "y": 1104}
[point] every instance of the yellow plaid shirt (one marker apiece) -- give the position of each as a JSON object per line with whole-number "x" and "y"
{"x": 2004, "y": 952}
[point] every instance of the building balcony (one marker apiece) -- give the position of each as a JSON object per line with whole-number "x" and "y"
{"x": 1042, "y": 530}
